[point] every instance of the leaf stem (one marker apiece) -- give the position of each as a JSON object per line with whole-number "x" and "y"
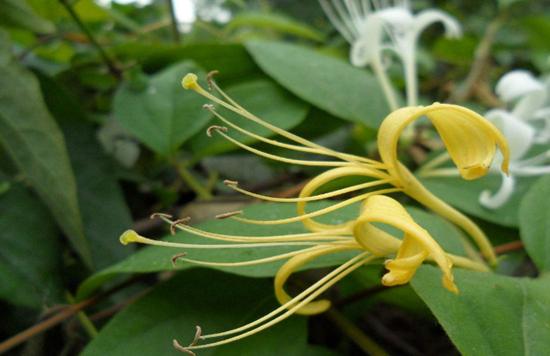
{"x": 175, "y": 31}
{"x": 84, "y": 320}
{"x": 106, "y": 58}
{"x": 192, "y": 182}
{"x": 355, "y": 334}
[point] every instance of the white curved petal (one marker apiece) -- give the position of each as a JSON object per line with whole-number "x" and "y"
{"x": 400, "y": 19}
{"x": 518, "y": 133}
{"x": 501, "y": 197}
{"x": 523, "y": 87}
{"x": 428, "y": 17}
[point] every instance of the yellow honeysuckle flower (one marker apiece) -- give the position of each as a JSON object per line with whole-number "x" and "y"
{"x": 470, "y": 140}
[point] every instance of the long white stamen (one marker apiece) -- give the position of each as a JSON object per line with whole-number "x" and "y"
{"x": 336, "y": 21}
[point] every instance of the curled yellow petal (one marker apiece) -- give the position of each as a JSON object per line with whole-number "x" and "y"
{"x": 414, "y": 249}
{"x": 468, "y": 136}
{"x": 296, "y": 262}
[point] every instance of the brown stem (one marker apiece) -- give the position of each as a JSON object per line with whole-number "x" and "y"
{"x": 509, "y": 247}
{"x": 175, "y": 31}
{"x": 58, "y": 318}
{"x": 475, "y": 82}
{"x": 106, "y": 58}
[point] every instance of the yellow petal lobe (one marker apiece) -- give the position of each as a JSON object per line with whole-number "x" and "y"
{"x": 468, "y": 136}
{"x": 416, "y": 246}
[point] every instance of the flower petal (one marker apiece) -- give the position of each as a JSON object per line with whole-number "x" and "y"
{"x": 521, "y": 85}
{"x": 501, "y": 197}
{"x": 416, "y": 245}
{"x": 519, "y": 134}
{"x": 428, "y": 17}
{"x": 469, "y": 137}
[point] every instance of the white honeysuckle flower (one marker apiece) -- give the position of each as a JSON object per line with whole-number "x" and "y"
{"x": 528, "y": 96}
{"x": 373, "y": 27}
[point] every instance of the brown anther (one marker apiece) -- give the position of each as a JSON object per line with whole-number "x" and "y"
{"x": 231, "y": 183}
{"x": 219, "y": 128}
{"x": 197, "y": 336}
{"x": 208, "y": 107}
{"x": 183, "y": 349}
{"x": 179, "y": 221}
{"x": 157, "y": 215}
{"x": 209, "y": 79}
{"x": 175, "y": 257}
{"x": 228, "y": 215}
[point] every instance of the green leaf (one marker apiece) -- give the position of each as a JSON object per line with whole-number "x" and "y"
{"x": 87, "y": 10}
{"x": 236, "y": 62}
{"x": 277, "y": 22}
{"x": 464, "y": 194}
{"x": 163, "y": 114}
{"x": 262, "y": 98}
{"x": 102, "y": 205}
{"x": 18, "y": 14}
{"x": 534, "y": 220}
{"x": 155, "y": 259}
{"x": 213, "y": 300}
{"x": 30, "y": 253}
{"x": 331, "y": 84}
{"x": 493, "y": 315}
{"x": 36, "y": 144}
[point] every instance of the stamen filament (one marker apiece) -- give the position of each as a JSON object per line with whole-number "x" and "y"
{"x": 125, "y": 238}
{"x": 294, "y": 237}
{"x": 284, "y": 159}
{"x": 299, "y": 297}
{"x": 261, "y": 260}
{"x": 318, "y": 212}
{"x": 289, "y": 146}
{"x": 289, "y": 312}
{"x": 271, "y": 127}
{"x": 311, "y": 198}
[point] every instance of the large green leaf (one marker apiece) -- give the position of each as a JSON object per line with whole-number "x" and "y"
{"x": 102, "y": 205}
{"x": 493, "y": 315}
{"x": 275, "y": 22}
{"x": 464, "y": 194}
{"x": 30, "y": 253}
{"x": 236, "y": 61}
{"x": 331, "y": 84}
{"x": 36, "y": 144}
{"x": 87, "y": 10}
{"x": 534, "y": 222}
{"x": 156, "y": 259}
{"x": 213, "y": 300}
{"x": 262, "y": 98}
{"x": 162, "y": 114}
{"x": 18, "y": 14}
